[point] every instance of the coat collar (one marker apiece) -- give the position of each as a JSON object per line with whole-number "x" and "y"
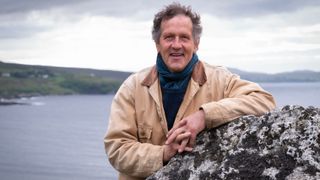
{"x": 198, "y": 75}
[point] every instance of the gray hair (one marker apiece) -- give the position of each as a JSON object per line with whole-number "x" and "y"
{"x": 171, "y": 11}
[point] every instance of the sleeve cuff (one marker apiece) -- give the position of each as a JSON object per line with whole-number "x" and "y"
{"x": 213, "y": 116}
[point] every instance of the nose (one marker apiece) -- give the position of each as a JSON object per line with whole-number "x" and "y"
{"x": 176, "y": 44}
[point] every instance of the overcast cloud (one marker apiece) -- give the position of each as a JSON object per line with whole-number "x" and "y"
{"x": 254, "y": 35}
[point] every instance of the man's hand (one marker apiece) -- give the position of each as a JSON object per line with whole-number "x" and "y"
{"x": 171, "y": 149}
{"x": 193, "y": 124}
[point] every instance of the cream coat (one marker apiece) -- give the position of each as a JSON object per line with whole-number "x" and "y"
{"x": 137, "y": 125}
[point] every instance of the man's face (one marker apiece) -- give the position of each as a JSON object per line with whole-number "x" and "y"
{"x": 176, "y": 44}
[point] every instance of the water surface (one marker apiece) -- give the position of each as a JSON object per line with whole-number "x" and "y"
{"x": 58, "y": 137}
{"x": 304, "y": 94}
{"x": 61, "y": 137}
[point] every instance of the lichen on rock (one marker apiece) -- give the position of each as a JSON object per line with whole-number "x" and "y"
{"x": 282, "y": 144}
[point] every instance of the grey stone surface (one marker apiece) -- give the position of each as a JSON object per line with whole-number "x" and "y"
{"x": 283, "y": 144}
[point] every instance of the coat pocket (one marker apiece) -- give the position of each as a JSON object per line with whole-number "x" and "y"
{"x": 144, "y": 134}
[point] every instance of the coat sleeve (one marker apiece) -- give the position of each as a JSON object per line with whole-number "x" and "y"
{"x": 241, "y": 97}
{"x": 125, "y": 152}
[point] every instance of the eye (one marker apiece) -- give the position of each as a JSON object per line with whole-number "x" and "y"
{"x": 168, "y": 38}
{"x": 185, "y": 37}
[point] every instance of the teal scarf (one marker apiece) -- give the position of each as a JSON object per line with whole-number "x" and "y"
{"x": 175, "y": 81}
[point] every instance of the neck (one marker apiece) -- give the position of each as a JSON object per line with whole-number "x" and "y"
{"x": 175, "y": 80}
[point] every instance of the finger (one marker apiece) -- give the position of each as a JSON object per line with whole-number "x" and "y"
{"x": 183, "y": 136}
{"x": 188, "y": 149}
{"x": 175, "y": 146}
{"x": 173, "y": 136}
{"x": 179, "y": 125}
{"x": 173, "y": 129}
{"x": 192, "y": 141}
{"x": 183, "y": 145}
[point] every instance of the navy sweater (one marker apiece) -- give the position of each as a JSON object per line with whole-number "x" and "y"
{"x": 172, "y": 100}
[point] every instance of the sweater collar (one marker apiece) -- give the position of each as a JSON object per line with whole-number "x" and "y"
{"x": 175, "y": 80}
{"x": 198, "y": 75}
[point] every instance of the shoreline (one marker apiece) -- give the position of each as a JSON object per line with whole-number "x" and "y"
{"x": 27, "y": 100}
{"x": 8, "y": 102}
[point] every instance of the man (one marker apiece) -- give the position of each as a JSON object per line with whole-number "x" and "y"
{"x": 159, "y": 111}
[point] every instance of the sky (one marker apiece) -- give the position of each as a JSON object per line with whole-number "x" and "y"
{"x": 269, "y": 36}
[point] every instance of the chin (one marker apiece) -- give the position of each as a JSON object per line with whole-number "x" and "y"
{"x": 176, "y": 69}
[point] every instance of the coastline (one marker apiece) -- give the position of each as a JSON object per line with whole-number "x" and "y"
{"x": 8, "y": 102}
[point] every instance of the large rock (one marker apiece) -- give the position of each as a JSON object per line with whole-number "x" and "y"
{"x": 283, "y": 144}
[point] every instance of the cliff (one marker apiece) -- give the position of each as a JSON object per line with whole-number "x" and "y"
{"x": 283, "y": 144}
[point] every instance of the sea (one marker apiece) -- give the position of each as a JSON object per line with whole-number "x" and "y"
{"x": 61, "y": 137}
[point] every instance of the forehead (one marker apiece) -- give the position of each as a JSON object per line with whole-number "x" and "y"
{"x": 177, "y": 23}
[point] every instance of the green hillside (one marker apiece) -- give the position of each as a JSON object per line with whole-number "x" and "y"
{"x": 18, "y": 80}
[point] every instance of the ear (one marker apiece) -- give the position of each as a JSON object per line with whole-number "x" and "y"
{"x": 158, "y": 47}
{"x": 196, "y": 46}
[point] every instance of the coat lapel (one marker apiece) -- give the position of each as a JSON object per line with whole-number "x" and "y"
{"x": 192, "y": 90}
{"x": 198, "y": 79}
{"x": 155, "y": 93}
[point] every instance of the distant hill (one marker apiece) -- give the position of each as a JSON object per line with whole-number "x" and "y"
{"x": 294, "y": 76}
{"x": 12, "y": 67}
{"x": 17, "y": 80}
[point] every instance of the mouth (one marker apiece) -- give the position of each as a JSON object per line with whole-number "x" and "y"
{"x": 176, "y": 54}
